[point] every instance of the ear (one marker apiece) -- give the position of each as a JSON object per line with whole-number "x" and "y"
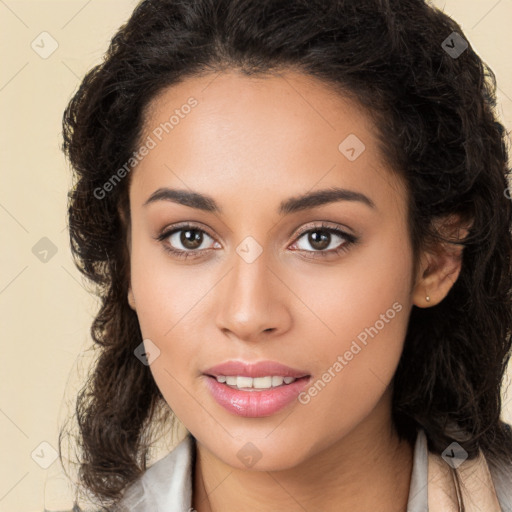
{"x": 125, "y": 221}
{"x": 131, "y": 298}
{"x": 441, "y": 263}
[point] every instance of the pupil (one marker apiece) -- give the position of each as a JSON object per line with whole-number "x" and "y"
{"x": 191, "y": 239}
{"x": 319, "y": 242}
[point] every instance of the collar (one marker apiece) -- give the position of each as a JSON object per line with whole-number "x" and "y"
{"x": 167, "y": 484}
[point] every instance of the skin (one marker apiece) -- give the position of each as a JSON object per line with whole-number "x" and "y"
{"x": 249, "y": 144}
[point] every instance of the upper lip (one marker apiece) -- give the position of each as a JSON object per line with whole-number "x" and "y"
{"x": 258, "y": 369}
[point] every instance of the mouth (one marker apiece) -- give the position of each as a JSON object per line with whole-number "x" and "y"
{"x": 260, "y": 369}
{"x": 251, "y": 384}
{"x": 255, "y": 390}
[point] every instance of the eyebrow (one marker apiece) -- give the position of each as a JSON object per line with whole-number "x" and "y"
{"x": 286, "y": 207}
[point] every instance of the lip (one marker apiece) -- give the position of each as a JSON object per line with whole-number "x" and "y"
{"x": 258, "y": 369}
{"x": 255, "y": 403}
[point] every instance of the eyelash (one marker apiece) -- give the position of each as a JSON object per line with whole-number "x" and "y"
{"x": 349, "y": 240}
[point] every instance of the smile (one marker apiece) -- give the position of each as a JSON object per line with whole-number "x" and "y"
{"x": 255, "y": 390}
{"x": 250, "y": 384}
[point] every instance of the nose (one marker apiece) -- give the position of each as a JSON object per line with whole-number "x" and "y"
{"x": 252, "y": 304}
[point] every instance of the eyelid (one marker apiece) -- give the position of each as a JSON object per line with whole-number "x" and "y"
{"x": 327, "y": 226}
{"x": 168, "y": 231}
{"x": 337, "y": 229}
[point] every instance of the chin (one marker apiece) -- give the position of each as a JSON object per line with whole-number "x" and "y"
{"x": 260, "y": 453}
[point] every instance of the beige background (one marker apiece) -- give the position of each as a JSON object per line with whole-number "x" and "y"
{"x": 45, "y": 310}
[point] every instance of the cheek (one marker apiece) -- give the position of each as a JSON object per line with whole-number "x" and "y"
{"x": 170, "y": 307}
{"x": 166, "y": 293}
{"x": 364, "y": 306}
{"x": 350, "y": 297}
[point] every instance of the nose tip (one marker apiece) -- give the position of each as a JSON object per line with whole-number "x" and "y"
{"x": 250, "y": 305}
{"x": 246, "y": 327}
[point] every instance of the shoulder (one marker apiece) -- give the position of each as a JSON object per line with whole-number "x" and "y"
{"x": 500, "y": 473}
{"x": 479, "y": 480}
{"x": 435, "y": 476}
{"x": 502, "y": 479}
{"x": 165, "y": 485}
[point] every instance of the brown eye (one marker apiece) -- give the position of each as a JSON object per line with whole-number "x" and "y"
{"x": 327, "y": 240}
{"x": 187, "y": 238}
{"x": 319, "y": 240}
{"x": 191, "y": 238}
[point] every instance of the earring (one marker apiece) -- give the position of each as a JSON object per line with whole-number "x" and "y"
{"x": 427, "y": 298}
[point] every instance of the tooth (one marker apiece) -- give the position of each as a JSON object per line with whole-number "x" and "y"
{"x": 262, "y": 382}
{"x": 277, "y": 381}
{"x": 244, "y": 382}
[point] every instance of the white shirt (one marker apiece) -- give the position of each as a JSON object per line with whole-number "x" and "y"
{"x": 166, "y": 486}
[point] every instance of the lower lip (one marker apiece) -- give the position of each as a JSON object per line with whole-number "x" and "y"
{"x": 255, "y": 404}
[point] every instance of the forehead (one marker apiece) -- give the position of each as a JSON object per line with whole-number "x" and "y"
{"x": 280, "y": 134}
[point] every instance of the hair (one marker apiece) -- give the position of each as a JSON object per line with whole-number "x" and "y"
{"x": 437, "y": 127}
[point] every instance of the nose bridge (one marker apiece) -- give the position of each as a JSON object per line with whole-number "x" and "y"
{"x": 250, "y": 303}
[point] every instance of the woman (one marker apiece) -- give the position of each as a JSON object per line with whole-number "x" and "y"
{"x": 295, "y": 213}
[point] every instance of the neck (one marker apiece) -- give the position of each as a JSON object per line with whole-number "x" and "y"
{"x": 368, "y": 469}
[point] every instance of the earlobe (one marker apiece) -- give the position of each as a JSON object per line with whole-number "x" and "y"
{"x": 438, "y": 276}
{"x": 421, "y": 297}
{"x": 440, "y": 268}
{"x": 125, "y": 221}
{"x": 131, "y": 298}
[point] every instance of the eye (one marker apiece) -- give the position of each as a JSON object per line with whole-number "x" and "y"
{"x": 183, "y": 241}
{"x": 188, "y": 240}
{"x": 324, "y": 240}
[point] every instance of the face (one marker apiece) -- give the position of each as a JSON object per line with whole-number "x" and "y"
{"x": 238, "y": 257}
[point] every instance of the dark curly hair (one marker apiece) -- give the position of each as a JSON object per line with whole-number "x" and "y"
{"x": 435, "y": 112}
